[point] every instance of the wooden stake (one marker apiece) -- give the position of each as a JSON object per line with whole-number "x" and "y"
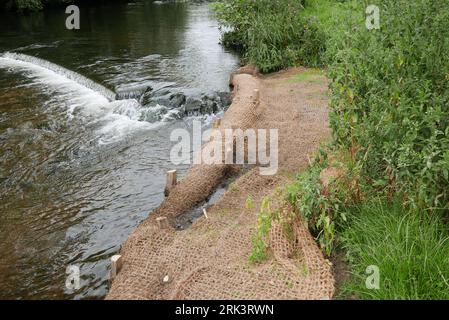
{"x": 229, "y": 154}
{"x": 205, "y": 213}
{"x": 162, "y": 222}
{"x": 256, "y": 95}
{"x": 171, "y": 181}
{"x": 116, "y": 265}
{"x": 310, "y": 161}
{"x": 217, "y": 123}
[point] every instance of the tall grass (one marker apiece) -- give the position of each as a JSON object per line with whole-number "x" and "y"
{"x": 411, "y": 249}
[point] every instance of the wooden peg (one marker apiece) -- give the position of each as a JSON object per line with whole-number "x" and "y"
{"x": 162, "y": 222}
{"x": 116, "y": 265}
{"x": 171, "y": 181}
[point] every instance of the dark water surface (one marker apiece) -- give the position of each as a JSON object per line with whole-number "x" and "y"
{"x": 78, "y": 172}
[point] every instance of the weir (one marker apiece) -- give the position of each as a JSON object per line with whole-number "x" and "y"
{"x": 133, "y": 92}
{"x": 74, "y": 76}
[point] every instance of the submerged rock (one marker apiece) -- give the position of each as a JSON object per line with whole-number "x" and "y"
{"x": 167, "y": 104}
{"x": 177, "y": 100}
{"x": 132, "y": 93}
{"x": 209, "y": 104}
{"x": 153, "y": 113}
{"x": 225, "y": 98}
{"x": 193, "y": 104}
{"x": 165, "y": 97}
{"x": 146, "y": 96}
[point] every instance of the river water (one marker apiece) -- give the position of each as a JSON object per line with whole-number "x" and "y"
{"x": 79, "y": 172}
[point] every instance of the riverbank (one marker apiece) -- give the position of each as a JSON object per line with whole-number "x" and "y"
{"x": 388, "y": 156}
{"x": 211, "y": 260}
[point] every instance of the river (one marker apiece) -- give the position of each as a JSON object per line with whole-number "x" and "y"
{"x": 79, "y": 169}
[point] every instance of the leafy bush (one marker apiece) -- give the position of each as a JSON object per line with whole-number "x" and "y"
{"x": 390, "y": 100}
{"x": 321, "y": 205}
{"x": 271, "y": 34}
{"x": 389, "y": 110}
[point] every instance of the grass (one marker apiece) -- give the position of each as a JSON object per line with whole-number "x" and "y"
{"x": 335, "y": 20}
{"x": 233, "y": 187}
{"x": 335, "y": 16}
{"x": 308, "y": 76}
{"x": 411, "y": 249}
{"x": 260, "y": 246}
{"x": 249, "y": 203}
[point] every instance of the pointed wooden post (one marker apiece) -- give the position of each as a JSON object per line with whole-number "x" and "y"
{"x": 229, "y": 153}
{"x": 171, "y": 181}
{"x": 116, "y": 265}
{"x": 162, "y": 222}
{"x": 217, "y": 123}
{"x": 256, "y": 96}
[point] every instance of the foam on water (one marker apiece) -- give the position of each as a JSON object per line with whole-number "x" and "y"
{"x": 81, "y": 96}
{"x": 75, "y": 77}
{"x": 67, "y": 89}
{"x": 93, "y": 103}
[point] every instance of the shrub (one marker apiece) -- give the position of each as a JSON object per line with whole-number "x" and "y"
{"x": 390, "y": 100}
{"x": 389, "y": 109}
{"x": 271, "y": 34}
{"x": 321, "y": 205}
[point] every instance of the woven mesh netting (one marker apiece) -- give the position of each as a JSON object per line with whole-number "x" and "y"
{"x": 210, "y": 259}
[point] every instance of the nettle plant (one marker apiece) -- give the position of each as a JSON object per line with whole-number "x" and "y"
{"x": 390, "y": 100}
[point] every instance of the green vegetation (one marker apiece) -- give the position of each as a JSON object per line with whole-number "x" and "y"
{"x": 279, "y": 34}
{"x": 390, "y": 128}
{"x": 309, "y": 76}
{"x": 323, "y": 205}
{"x": 411, "y": 249}
{"x": 233, "y": 187}
{"x": 271, "y": 34}
{"x": 249, "y": 203}
{"x": 389, "y": 112}
{"x": 390, "y": 94}
{"x": 23, "y": 5}
{"x": 389, "y": 108}
{"x": 260, "y": 246}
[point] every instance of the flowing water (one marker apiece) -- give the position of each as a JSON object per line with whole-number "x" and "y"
{"x": 80, "y": 168}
